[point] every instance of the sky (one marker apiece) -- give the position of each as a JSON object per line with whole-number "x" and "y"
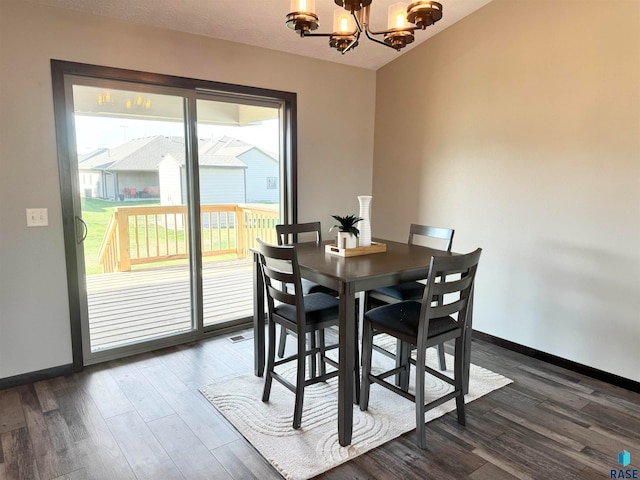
{"x": 100, "y": 132}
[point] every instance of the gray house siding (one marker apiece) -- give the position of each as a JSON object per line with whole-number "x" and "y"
{"x": 222, "y": 185}
{"x": 262, "y": 173}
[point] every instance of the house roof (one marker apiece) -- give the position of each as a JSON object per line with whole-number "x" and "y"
{"x": 214, "y": 160}
{"x": 139, "y": 154}
{"x": 145, "y": 154}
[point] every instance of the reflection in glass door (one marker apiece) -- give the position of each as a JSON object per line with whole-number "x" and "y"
{"x": 131, "y": 179}
{"x": 240, "y": 198}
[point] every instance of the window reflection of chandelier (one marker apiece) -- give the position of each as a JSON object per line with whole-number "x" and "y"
{"x": 137, "y": 102}
{"x": 105, "y": 98}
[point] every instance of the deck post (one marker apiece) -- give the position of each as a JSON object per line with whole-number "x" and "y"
{"x": 124, "y": 253}
{"x": 241, "y": 246}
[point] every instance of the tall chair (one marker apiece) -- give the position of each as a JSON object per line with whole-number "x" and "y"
{"x": 299, "y": 313}
{"x": 289, "y": 234}
{"x": 411, "y": 290}
{"x": 422, "y": 325}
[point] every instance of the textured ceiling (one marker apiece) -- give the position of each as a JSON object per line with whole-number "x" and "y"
{"x": 262, "y": 23}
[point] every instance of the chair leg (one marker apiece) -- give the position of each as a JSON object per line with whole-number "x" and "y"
{"x": 356, "y": 367}
{"x": 421, "y": 434}
{"x": 466, "y": 363}
{"x": 403, "y": 353}
{"x": 367, "y": 347}
{"x": 300, "y": 378}
{"x": 312, "y": 346}
{"x": 283, "y": 341}
{"x": 459, "y": 379}
{"x": 268, "y": 378}
{"x": 443, "y": 361}
{"x": 322, "y": 366}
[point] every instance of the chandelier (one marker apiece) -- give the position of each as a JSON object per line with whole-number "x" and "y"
{"x": 353, "y": 20}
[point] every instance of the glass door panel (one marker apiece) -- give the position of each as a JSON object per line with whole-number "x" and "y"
{"x": 239, "y": 162}
{"x": 131, "y": 179}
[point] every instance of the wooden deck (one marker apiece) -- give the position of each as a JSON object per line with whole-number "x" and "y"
{"x": 126, "y": 307}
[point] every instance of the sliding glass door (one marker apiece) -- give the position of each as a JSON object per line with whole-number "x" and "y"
{"x": 239, "y": 197}
{"x": 166, "y": 184}
{"x": 133, "y": 253}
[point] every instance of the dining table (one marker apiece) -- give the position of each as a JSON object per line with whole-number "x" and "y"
{"x": 401, "y": 262}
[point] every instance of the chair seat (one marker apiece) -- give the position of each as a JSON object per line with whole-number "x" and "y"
{"x": 311, "y": 287}
{"x": 319, "y": 307}
{"x": 402, "y": 292}
{"x": 403, "y": 318}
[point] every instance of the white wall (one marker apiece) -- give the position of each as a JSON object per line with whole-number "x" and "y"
{"x": 335, "y": 165}
{"x": 519, "y": 127}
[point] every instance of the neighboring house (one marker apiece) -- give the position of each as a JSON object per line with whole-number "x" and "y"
{"x": 262, "y": 173}
{"x": 222, "y": 180}
{"x": 129, "y": 170}
{"x": 231, "y": 171}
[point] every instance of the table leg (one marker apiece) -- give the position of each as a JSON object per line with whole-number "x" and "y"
{"x": 258, "y": 318}
{"x": 346, "y": 364}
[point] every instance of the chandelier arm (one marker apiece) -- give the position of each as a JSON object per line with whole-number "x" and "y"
{"x": 392, "y": 30}
{"x": 366, "y": 32}
{"x": 320, "y": 34}
{"x": 353, "y": 43}
{"x": 358, "y": 24}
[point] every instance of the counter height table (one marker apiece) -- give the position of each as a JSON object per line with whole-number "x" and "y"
{"x": 347, "y": 275}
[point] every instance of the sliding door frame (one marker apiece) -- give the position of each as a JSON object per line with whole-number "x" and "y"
{"x": 66, "y": 150}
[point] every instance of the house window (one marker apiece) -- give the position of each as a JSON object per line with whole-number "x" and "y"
{"x": 272, "y": 183}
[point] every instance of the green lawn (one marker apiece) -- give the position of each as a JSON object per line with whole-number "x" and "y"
{"x": 96, "y": 214}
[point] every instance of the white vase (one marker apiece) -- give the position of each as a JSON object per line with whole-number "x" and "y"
{"x": 365, "y": 224}
{"x": 346, "y": 240}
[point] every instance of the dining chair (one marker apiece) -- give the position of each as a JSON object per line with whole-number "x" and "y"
{"x": 421, "y": 325}
{"x": 303, "y": 314}
{"x": 289, "y": 234}
{"x": 411, "y": 290}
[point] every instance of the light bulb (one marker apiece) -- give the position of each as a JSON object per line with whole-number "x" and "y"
{"x": 307, "y": 6}
{"x": 342, "y": 22}
{"x": 397, "y": 16}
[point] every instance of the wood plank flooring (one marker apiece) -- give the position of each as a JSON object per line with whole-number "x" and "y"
{"x": 142, "y": 417}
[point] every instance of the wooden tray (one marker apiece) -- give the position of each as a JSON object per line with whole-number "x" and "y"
{"x": 354, "y": 252}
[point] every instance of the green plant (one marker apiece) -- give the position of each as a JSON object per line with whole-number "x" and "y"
{"x": 347, "y": 224}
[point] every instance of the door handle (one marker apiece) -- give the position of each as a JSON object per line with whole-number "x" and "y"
{"x": 85, "y": 230}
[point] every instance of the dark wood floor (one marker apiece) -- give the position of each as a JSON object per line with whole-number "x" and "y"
{"x": 143, "y": 417}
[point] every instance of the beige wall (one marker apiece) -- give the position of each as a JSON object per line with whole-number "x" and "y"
{"x": 335, "y": 161}
{"x": 523, "y": 134}
{"x": 520, "y": 127}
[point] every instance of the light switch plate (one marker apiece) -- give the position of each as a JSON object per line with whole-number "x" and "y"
{"x": 37, "y": 217}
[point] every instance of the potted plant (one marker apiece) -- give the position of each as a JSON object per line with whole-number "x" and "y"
{"x": 348, "y": 233}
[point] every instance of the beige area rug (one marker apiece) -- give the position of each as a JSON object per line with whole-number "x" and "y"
{"x": 314, "y": 448}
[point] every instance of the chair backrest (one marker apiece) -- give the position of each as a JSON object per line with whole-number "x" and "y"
{"x": 452, "y": 279}
{"x": 289, "y": 234}
{"x": 279, "y": 265}
{"x": 432, "y": 232}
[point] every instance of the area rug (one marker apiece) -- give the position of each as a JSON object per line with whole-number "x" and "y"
{"x": 314, "y": 448}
